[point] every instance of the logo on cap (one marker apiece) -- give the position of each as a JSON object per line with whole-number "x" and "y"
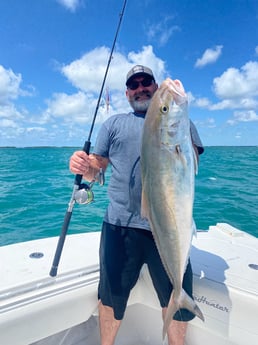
{"x": 138, "y": 70}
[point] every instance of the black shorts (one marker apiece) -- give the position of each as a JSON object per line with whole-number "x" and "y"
{"x": 123, "y": 251}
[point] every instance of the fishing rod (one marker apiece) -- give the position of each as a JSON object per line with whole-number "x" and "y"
{"x": 82, "y": 192}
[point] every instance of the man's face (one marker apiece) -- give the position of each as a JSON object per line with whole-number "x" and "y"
{"x": 138, "y": 95}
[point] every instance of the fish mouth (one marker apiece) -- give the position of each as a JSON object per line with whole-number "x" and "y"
{"x": 174, "y": 90}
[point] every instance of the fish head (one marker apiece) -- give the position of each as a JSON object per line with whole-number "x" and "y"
{"x": 167, "y": 111}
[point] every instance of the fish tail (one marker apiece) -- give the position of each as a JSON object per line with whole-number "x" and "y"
{"x": 183, "y": 302}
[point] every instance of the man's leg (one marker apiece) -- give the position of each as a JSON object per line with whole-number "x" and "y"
{"x": 119, "y": 272}
{"x": 176, "y": 331}
{"x": 108, "y": 325}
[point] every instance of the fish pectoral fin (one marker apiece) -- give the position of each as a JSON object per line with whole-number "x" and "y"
{"x": 183, "y": 302}
{"x": 178, "y": 149}
{"x": 194, "y": 229}
{"x": 180, "y": 154}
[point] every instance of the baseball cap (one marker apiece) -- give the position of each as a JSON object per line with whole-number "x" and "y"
{"x": 138, "y": 70}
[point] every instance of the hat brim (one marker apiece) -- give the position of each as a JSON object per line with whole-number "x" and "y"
{"x": 139, "y": 74}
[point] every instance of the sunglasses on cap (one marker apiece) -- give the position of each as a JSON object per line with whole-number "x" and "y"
{"x": 133, "y": 85}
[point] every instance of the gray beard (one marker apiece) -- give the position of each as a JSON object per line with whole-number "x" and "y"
{"x": 140, "y": 106}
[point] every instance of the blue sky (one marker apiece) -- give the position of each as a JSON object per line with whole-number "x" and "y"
{"x": 53, "y": 56}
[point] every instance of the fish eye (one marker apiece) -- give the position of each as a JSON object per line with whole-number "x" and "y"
{"x": 164, "y": 109}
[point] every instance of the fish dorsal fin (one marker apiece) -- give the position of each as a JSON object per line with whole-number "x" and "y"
{"x": 194, "y": 230}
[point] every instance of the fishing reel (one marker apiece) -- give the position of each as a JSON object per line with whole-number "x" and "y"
{"x": 84, "y": 194}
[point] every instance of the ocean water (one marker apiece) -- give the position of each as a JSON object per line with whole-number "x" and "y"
{"x": 36, "y": 186}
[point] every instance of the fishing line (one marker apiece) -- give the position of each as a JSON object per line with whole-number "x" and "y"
{"x": 82, "y": 192}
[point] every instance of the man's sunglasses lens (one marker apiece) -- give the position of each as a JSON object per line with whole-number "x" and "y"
{"x": 135, "y": 84}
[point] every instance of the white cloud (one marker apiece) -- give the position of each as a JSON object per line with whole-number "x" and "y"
{"x": 85, "y": 76}
{"x": 147, "y": 57}
{"x": 71, "y": 5}
{"x": 235, "y": 83}
{"x": 237, "y": 90}
{"x": 210, "y": 122}
{"x": 225, "y": 104}
{"x": 9, "y": 111}
{"x": 243, "y": 116}
{"x": 73, "y": 104}
{"x": 65, "y": 111}
{"x": 162, "y": 31}
{"x": 76, "y": 107}
{"x": 9, "y": 85}
{"x": 10, "y": 88}
{"x": 7, "y": 123}
{"x": 209, "y": 56}
{"x": 79, "y": 107}
{"x": 12, "y": 117}
{"x": 35, "y": 129}
{"x": 202, "y": 102}
{"x": 87, "y": 73}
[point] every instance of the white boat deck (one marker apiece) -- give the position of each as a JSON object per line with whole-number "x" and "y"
{"x": 35, "y": 306}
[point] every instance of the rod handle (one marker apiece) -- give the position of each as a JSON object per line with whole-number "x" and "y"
{"x": 60, "y": 244}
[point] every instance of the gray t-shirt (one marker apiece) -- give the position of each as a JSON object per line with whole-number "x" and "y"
{"x": 119, "y": 140}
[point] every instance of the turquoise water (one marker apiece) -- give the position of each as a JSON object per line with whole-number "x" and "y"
{"x": 36, "y": 186}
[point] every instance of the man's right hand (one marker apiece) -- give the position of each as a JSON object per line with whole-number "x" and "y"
{"x": 87, "y": 165}
{"x": 80, "y": 163}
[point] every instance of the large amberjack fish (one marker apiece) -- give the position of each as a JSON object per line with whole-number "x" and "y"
{"x": 169, "y": 164}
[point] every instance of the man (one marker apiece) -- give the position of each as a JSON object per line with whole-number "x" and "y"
{"x": 126, "y": 239}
